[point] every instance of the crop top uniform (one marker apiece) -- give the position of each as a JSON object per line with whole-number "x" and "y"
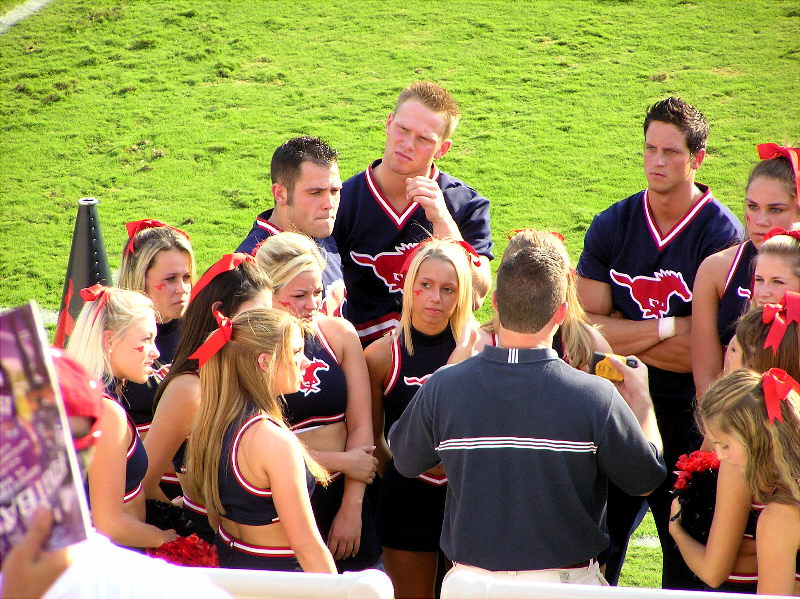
{"x": 135, "y": 459}
{"x": 244, "y": 503}
{"x": 322, "y": 400}
{"x": 411, "y": 510}
{"x": 748, "y": 583}
{"x": 737, "y": 291}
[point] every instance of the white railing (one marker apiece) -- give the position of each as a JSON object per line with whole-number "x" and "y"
{"x": 262, "y": 584}
{"x": 473, "y": 585}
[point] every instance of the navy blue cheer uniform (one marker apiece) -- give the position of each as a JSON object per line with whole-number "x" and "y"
{"x": 247, "y": 504}
{"x": 374, "y": 241}
{"x": 331, "y": 276}
{"x": 322, "y": 400}
{"x": 411, "y": 510}
{"x": 651, "y": 275}
{"x": 737, "y": 291}
{"x": 137, "y": 398}
{"x": 135, "y": 459}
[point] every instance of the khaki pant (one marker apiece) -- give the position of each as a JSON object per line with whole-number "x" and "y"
{"x": 588, "y": 575}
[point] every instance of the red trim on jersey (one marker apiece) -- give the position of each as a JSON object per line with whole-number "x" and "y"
{"x": 687, "y": 218}
{"x": 235, "y": 465}
{"x": 134, "y": 440}
{"x": 195, "y": 506}
{"x": 398, "y": 219}
{"x": 377, "y": 327}
{"x": 326, "y": 344}
{"x": 171, "y": 478}
{"x": 259, "y": 550}
{"x": 268, "y": 226}
{"x": 133, "y": 494}
{"x": 316, "y": 422}
{"x": 436, "y": 481}
{"x": 397, "y": 358}
{"x": 735, "y": 264}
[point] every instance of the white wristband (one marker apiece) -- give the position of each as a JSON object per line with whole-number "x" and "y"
{"x": 666, "y": 327}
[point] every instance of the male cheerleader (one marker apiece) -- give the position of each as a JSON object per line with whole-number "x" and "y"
{"x": 635, "y": 277}
{"x": 399, "y": 201}
{"x": 305, "y": 187}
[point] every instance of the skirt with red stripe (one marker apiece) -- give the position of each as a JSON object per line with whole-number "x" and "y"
{"x": 245, "y": 556}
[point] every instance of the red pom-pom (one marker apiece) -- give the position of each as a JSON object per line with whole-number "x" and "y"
{"x": 187, "y": 551}
{"x": 698, "y": 461}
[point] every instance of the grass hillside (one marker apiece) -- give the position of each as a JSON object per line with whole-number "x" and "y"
{"x": 171, "y": 110}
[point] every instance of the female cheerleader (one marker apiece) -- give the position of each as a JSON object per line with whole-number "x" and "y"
{"x": 231, "y": 286}
{"x": 331, "y": 413}
{"x": 158, "y": 261}
{"x": 114, "y": 339}
{"x": 243, "y": 463}
{"x": 576, "y": 339}
{"x": 436, "y": 316}
{"x": 727, "y": 561}
{"x": 777, "y": 268}
{"x": 754, "y": 422}
{"x": 724, "y": 280}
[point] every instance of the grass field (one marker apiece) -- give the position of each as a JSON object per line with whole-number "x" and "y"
{"x": 171, "y": 110}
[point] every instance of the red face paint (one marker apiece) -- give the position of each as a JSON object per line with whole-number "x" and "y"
{"x": 286, "y": 304}
{"x": 160, "y": 286}
{"x": 747, "y": 218}
{"x": 418, "y": 292}
{"x": 140, "y": 349}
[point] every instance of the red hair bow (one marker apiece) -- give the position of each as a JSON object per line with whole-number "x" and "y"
{"x": 777, "y": 385}
{"x": 472, "y": 255}
{"x": 216, "y": 340}
{"x": 775, "y": 231}
{"x": 96, "y": 292}
{"x": 558, "y": 235}
{"x": 770, "y": 151}
{"x": 135, "y": 227}
{"x": 224, "y": 264}
{"x": 781, "y": 316}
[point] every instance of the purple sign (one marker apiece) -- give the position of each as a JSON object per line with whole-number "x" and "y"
{"x": 37, "y": 461}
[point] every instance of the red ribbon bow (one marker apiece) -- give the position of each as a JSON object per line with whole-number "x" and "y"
{"x": 513, "y": 233}
{"x": 224, "y": 264}
{"x": 777, "y": 384}
{"x": 216, "y": 340}
{"x": 781, "y": 315}
{"x": 98, "y": 291}
{"x": 770, "y": 151}
{"x": 135, "y": 227}
{"x": 473, "y": 256}
{"x": 775, "y": 231}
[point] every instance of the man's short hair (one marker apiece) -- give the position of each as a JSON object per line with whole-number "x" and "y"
{"x": 531, "y": 285}
{"x": 288, "y": 159}
{"x": 685, "y": 117}
{"x": 437, "y": 99}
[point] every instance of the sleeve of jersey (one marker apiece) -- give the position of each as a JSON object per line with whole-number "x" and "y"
{"x": 255, "y": 235}
{"x": 472, "y": 217}
{"x": 411, "y": 437}
{"x": 625, "y": 455}
{"x": 595, "y": 259}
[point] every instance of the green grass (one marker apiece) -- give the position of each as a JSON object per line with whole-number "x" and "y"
{"x": 642, "y": 567}
{"x": 171, "y": 110}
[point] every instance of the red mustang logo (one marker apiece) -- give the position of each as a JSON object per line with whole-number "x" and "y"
{"x": 652, "y": 294}
{"x": 386, "y": 265}
{"x": 310, "y": 382}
